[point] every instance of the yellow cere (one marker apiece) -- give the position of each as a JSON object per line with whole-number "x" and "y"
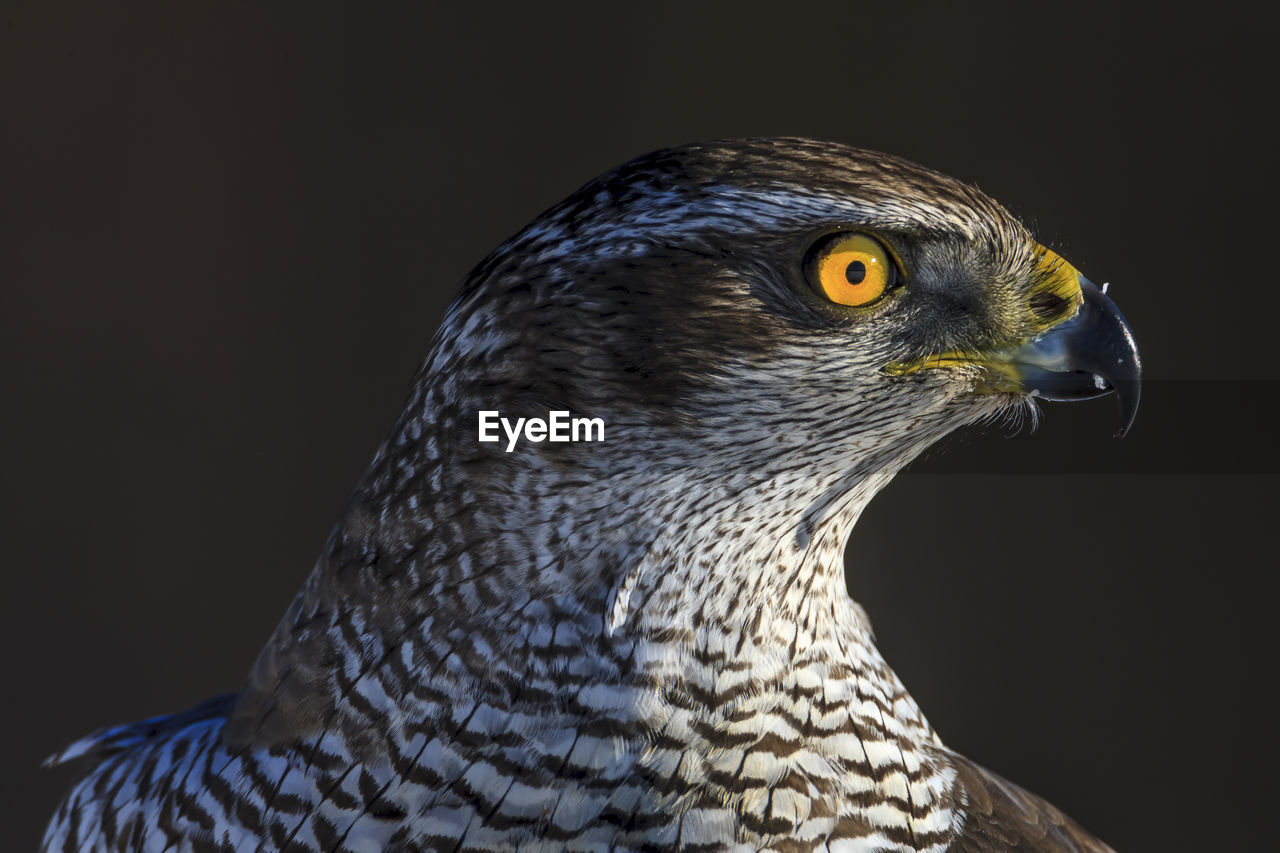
{"x": 1055, "y": 295}
{"x": 853, "y": 270}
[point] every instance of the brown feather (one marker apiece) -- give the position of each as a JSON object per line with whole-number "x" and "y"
{"x": 1000, "y": 816}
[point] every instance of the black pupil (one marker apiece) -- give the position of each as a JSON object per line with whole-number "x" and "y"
{"x": 855, "y": 272}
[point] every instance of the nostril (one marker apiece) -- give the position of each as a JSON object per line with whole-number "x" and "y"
{"x": 1047, "y": 305}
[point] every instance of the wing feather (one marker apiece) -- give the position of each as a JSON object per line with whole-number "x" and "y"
{"x": 1000, "y": 816}
{"x": 115, "y": 739}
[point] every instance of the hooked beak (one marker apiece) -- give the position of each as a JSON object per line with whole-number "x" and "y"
{"x": 1089, "y": 355}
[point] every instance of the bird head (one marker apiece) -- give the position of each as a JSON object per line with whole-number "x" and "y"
{"x": 782, "y": 295}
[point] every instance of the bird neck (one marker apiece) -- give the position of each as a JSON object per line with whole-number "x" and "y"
{"x": 749, "y": 587}
{"x": 658, "y": 574}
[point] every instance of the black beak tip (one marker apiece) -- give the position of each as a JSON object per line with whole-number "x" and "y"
{"x": 1127, "y": 393}
{"x": 1107, "y": 349}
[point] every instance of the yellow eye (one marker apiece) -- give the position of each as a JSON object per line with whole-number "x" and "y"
{"x": 851, "y": 269}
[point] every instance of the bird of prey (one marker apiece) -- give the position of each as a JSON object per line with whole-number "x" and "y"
{"x": 642, "y": 641}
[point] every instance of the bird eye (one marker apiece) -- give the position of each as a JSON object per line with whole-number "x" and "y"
{"x": 851, "y": 269}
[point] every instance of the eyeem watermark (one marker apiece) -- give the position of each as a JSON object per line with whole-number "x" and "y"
{"x": 557, "y": 427}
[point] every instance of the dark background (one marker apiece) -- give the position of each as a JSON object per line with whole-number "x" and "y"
{"x": 229, "y": 233}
